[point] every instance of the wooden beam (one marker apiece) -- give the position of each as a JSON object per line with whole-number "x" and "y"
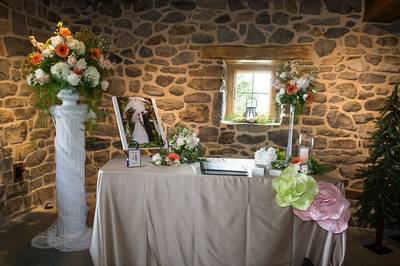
{"x": 381, "y": 10}
{"x": 270, "y": 52}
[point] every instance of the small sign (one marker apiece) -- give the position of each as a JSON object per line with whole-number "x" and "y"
{"x": 133, "y": 159}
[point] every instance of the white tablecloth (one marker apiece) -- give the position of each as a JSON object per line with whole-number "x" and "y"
{"x": 176, "y": 216}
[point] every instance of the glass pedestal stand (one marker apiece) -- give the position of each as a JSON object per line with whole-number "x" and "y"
{"x": 289, "y": 148}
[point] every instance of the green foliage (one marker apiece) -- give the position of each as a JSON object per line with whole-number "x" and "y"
{"x": 281, "y": 162}
{"x": 315, "y": 167}
{"x": 381, "y": 195}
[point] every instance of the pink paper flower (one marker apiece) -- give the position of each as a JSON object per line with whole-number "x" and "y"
{"x": 330, "y": 209}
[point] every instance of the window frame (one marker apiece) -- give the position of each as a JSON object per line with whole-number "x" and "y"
{"x": 234, "y": 66}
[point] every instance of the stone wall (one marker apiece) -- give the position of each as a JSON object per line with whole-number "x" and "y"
{"x": 157, "y": 53}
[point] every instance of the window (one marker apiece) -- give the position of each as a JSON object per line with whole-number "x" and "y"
{"x": 252, "y": 88}
{"x": 249, "y": 87}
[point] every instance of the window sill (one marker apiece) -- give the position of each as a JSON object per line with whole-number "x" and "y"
{"x": 225, "y": 122}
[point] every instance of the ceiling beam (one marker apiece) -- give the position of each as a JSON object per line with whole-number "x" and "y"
{"x": 270, "y": 52}
{"x": 381, "y": 10}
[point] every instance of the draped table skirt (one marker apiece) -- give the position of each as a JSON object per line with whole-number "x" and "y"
{"x": 175, "y": 216}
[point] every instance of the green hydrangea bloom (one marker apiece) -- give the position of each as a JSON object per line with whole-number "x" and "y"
{"x": 294, "y": 189}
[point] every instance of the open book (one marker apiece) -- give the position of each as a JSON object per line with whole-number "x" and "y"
{"x": 218, "y": 167}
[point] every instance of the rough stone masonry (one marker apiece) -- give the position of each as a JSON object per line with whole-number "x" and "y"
{"x": 157, "y": 52}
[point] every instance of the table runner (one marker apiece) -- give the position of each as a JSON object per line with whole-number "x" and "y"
{"x": 176, "y": 216}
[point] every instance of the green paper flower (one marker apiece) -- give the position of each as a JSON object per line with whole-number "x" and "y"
{"x": 294, "y": 189}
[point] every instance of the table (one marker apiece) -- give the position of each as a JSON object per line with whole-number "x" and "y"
{"x": 176, "y": 216}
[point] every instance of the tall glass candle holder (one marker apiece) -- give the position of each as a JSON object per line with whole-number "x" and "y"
{"x": 305, "y": 148}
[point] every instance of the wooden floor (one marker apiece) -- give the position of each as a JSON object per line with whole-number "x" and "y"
{"x": 15, "y": 247}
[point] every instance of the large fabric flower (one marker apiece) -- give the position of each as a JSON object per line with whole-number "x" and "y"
{"x": 330, "y": 209}
{"x": 294, "y": 189}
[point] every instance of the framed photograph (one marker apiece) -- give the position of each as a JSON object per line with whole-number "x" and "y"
{"x": 139, "y": 122}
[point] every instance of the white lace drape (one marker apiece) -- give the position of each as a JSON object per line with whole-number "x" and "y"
{"x": 69, "y": 232}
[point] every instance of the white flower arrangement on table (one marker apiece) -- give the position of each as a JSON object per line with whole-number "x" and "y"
{"x": 184, "y": 147}
{"x": 66, "y": 61}
{"x": 294, "y": 85}
{"x": 265, "y": 157}
{"x": 185, "y": 142}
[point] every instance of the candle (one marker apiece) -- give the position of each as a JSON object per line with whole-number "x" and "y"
{"x": 303, "y": 154}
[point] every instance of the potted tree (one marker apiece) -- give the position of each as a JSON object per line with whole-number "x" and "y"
{"x": 380, "y": 200}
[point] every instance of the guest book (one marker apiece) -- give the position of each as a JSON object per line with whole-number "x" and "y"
{"x": 216, "y": 167}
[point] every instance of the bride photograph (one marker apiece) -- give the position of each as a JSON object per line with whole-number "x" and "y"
{"x": 138, "y": 122}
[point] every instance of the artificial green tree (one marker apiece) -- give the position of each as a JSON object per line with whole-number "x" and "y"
{"x": 380, "y": 200}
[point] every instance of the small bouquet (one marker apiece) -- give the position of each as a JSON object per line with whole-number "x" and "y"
{"x": 184, "y": 142}
{"x": 294, "y": 85}
{"x": 66, "y": 61}
{"x": 312, "y": 166}
{"x": 166, "y": 158}
{"x": 280, "y": 163}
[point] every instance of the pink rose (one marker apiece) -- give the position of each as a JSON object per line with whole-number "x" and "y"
{"x": 330, "y": 209}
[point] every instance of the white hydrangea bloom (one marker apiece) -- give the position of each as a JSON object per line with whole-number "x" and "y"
{"x": 72, "y": 60}
{"x": 73, "y": 79}
{"x": 80, "y": 48}
{"x": 92, "y": 76}
{"x": 77, "y": 46}
{"x": 41, "y": 77}
{"x": 192, "y": 142}
{"x": 60, "y": 70}
{"x": 81, "y": 64}
{"x": 56, "y": 40}
{"x": 180, "y": 141}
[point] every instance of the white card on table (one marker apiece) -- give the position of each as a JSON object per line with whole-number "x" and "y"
{"x": 133, "y": 159}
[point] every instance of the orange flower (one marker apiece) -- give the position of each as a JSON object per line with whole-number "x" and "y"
{"x": 96, "y": 53}
{"x": 173, "y": 157}
{"x": 296, "y": 160}
{"x": 62, "y": 50}
{"x": 36, "y": 58}
{"x": 65, "y": 32}
{"x": 291, "y": 89}
{"x": 310, "y": 98}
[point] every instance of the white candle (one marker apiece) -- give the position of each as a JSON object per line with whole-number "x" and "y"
{"x": 303, "y": 154}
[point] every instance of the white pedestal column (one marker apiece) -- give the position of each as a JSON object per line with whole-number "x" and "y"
{"x": 69, "y": 232}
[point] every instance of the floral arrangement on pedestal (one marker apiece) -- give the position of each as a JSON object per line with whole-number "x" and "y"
{"x": 294, "y": 85}
{"x": 184, "y": 146}
{"x": 320, "y": 202}
{"x": 68, "y": 62}
{"x": 294, "y": 89}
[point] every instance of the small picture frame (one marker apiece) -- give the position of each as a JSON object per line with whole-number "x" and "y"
{"x": 133, "y": 158}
